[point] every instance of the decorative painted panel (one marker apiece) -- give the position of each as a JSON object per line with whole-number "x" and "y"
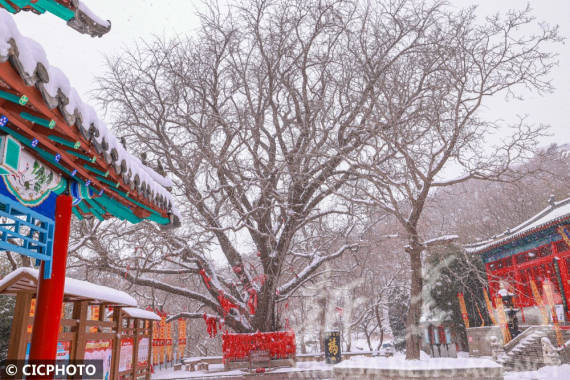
{"x": 543, "y": 237}
{"x": 27, "y": 180}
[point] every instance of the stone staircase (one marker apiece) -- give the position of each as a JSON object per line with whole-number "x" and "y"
{"x": 524, "y": 353}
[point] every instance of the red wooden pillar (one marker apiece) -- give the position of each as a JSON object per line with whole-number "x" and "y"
{"x": 518, "y": 289}
{"x": 564, "y": 276}
{"x": 50, "y": 292}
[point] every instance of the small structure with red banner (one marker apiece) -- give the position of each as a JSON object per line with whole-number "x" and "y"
{"x": 440, "y": 338}
{"x": 116, "y": 332}
{"x": 135, "y": 333}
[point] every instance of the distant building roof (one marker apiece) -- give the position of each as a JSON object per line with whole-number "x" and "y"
{"x": 556, "y": 213}
{"x": 26, "y": 280}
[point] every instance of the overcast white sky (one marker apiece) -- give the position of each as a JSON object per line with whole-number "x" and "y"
{"x": 82, "y": 58}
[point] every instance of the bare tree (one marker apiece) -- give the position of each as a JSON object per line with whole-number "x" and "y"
{"x": 281, "y": 119}
{"x": 376, "y": 271}
{"x": 254, "y": 121}
{"x": 481, "y": 209}
{"x": 429, "y": 104}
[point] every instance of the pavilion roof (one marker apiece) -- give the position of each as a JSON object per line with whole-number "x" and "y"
{"x": 557, "y": 213}
{"x": 56, "y": 125}
{"x": 137, "y": 313}
{"x": 77, "y": 15}
{"x": 25, "y": 280}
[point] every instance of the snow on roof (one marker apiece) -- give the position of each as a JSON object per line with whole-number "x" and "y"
{"x": 85, "y": 9}
{"x": 134, "y": 312}
{"x": 30, "y": 60}
{"x": 27, "y": 278}
{"x": 75, "y": 12}
{"x": 555, "y": 213}
{"x": 441, "y": 240}
{"x": 86, "y": 21}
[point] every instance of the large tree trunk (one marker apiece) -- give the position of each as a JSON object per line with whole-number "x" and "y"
{"x": 380, "y": 327}
{"x": 265, "y": 318}
{"x": 303, "y": 344}
{"x": 413, "y": 332}
{"x": 368, "y": 341}
{"x": 322, "y": 302}
{"x": 381, "y": 339}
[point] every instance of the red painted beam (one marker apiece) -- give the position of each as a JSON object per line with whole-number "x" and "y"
{"x": 50, "y": 292}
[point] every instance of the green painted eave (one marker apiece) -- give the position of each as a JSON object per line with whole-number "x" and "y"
{"x": 42, "y": 6}
{"x": 100, "y": 205}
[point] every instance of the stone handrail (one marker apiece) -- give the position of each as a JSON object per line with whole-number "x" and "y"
{"x": 527, "y": 332}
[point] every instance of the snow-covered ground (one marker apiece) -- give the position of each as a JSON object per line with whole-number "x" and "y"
{"x": 546, "y": 373}
{"x": 217, "y": 371}
{"x": 399, "y": 361}
{"x": 360, "y": 344}
{"x": 396, "y": 362}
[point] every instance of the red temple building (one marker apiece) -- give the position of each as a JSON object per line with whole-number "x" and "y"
{"x": 536, "y": 250}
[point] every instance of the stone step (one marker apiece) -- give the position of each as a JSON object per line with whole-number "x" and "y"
{"x": 526, "y": 355}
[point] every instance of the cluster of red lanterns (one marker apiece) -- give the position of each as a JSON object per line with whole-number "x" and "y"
{"x": 227, "y": 305}
{"x": 280, "y": 344}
